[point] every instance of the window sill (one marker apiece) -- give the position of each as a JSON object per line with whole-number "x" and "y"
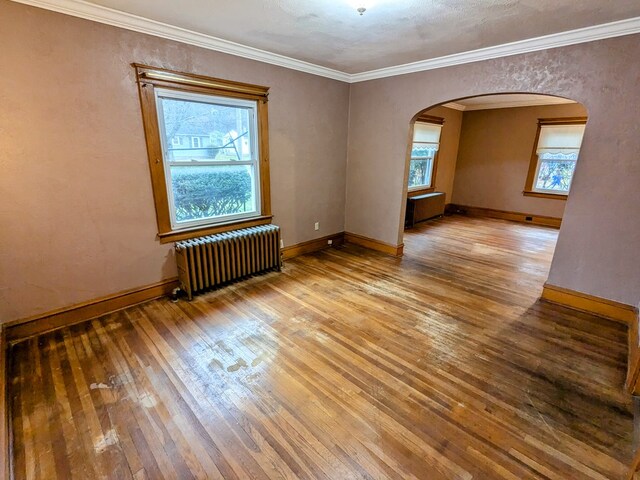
{"x": 555, "y": 196}
{"x": 200, "y": 231}
{"x": 420, "y": 191}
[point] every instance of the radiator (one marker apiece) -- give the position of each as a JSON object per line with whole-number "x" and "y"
{"x": 212, "y": 261}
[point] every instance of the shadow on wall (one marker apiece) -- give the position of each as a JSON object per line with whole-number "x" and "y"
{"x": 511, "y": 155}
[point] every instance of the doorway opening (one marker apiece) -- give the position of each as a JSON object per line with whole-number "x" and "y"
{"x": 510, "y": 157}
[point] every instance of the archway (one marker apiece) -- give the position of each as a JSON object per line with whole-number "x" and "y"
{"x": 506, "y": 155}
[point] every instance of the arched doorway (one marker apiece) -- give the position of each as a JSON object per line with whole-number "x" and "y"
{"x": 504, "y": 155}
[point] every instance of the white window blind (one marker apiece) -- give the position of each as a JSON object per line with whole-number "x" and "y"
{"x": 426, "y": 141}
{"x": 560, "y": 139}
{"x": 427, "y": 133}
{"x": 558, "y": 149}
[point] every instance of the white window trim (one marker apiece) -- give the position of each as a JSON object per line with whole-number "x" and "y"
{"x": 433, "y": 162}
{"x": 252, "y": 106}
{"x": 552, "y": 192}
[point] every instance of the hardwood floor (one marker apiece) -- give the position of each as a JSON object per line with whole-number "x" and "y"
{"x": 349, "y": 364}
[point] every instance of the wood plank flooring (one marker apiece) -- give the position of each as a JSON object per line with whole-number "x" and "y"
{"x": 349, "y": 364}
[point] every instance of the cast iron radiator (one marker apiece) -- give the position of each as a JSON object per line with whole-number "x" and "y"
{"x": 214, "y": 260}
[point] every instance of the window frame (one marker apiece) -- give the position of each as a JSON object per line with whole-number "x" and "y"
{"x": 150, "y": 80}
{"x": 534, "y": 163}
{"x": 422, "y": 189}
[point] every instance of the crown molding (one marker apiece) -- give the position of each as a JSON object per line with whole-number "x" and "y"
{"x": 116, "y": 18}
{"x": 572, "y": 37}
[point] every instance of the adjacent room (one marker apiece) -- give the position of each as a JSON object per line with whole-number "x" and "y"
{"x": 323, "y": 239}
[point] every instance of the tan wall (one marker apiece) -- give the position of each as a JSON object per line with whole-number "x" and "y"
{"x": 448, "y": 152}
{"x": 597, "y": 247}
{"x": 494, "y": 157}
{"x": 77, "y": 218}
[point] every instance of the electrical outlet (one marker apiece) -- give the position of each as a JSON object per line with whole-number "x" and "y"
{"x": 330, "y": 242}
{"x": 281, "y": 243}
{"x": 317, "y": 226}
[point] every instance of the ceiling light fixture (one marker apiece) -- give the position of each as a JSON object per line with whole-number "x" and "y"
{"x": 361, "y": 10}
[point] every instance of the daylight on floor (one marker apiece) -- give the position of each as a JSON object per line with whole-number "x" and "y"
{"x": 349, "y": 239}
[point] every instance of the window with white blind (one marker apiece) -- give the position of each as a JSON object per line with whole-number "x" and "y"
{"x": 555, "y": 157}
{"x": 424, "y": 151}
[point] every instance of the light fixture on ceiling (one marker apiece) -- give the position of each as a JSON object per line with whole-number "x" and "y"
{"x": 361, "y": 10}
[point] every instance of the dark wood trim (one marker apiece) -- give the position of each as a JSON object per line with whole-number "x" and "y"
{"x": 373, "y": 244}
{"x": 563, "y": 121}
{"x": 314, "y": 245}
{"x": 148, "y": 79}
{"x": 552, "y": 196}
{"x": 425, "y": 118}
{"x": 5, "y": 430}
{"x": 632, "y": 383}
{"x": 163, "y": 76}
{"x": 422, "y": 191}
{"x": 533, "y": 161}
{"x": 19, "y": 330}
{"x": 201, "y": 231}
{"x": 504, "y": 215}
{"x": 612, "y": 310}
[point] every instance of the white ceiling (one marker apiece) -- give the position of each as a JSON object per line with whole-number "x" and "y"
{"x": 510, "y": 100}
{"x": 330, "y": 33}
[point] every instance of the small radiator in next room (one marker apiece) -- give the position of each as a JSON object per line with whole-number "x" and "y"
{"x": 211, "y": 261}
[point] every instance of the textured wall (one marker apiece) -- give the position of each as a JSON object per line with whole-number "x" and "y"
{"x": 77, "y": 216}
{"x": 600, "y": 234}
{"x": 494, "y": 157}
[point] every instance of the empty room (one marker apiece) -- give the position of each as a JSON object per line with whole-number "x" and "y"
{"x": 346, "y": 239}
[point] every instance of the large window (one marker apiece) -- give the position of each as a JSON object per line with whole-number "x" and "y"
{"x": 218, "y": 178}
{"x": 555, "y": 156}
{"x": 424, "y": 151}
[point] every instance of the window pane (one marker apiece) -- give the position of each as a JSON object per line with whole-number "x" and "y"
{"x": 420, "y": 173}
{"x": 423, "y": 150}
{"x": 209, "y": 191}
{"x": 555, "y": 175}
{"x": 205, "y": 131}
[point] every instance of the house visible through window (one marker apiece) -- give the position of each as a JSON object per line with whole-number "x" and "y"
{"x": 217, "y": 175}
{"x": 217, "y": 182}
{"x": 555, "y": 157}
{"x": 424, "y": 150}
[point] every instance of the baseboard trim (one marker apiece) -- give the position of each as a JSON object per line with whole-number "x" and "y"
{"x": 632, "y": 383}
{"x": 5, "y": 436}
{"x": 311, "y": 246}
{"x": 504, "y": 215}
{"x": 372, "y": 244}
{"x": 18, "y": 330}
{"x": 620, "y": 312}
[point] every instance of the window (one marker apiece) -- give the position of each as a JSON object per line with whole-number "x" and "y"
{"x": 424, "y": 151}
{"x": 218, "y": 179}
{"x": 554, "y": 158}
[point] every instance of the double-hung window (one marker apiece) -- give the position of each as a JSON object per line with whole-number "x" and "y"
{"x": 555, "y": 156}
{"x": 424, "y": 151}
{"x": 218, "y": 179}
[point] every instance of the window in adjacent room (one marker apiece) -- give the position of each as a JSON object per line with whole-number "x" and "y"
{"x": 555, "y": 156}
{"x": 218, "y": 179}
{"x": 424, "y": 152}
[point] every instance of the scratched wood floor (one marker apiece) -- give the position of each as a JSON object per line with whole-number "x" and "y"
{"x": 349, "y": 364}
